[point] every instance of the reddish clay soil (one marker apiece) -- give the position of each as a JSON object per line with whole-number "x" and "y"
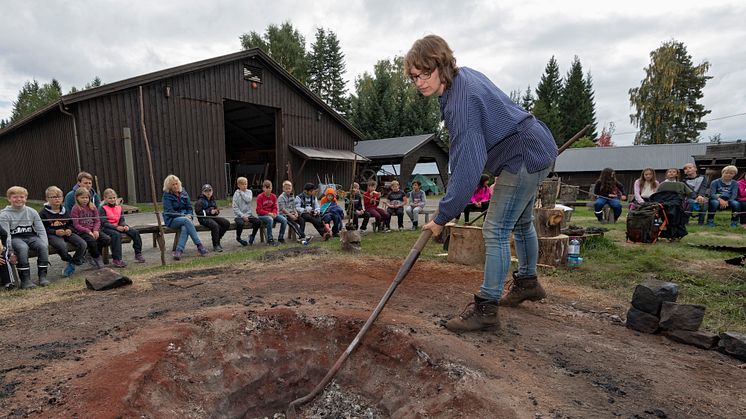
{"x": 243, "y": 341}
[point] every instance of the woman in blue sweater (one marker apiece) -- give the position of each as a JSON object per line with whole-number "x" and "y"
{"x": 488, "y": 132}
{"x": 177, "y": 214}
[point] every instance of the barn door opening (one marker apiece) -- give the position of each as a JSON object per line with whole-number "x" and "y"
{"x": 250, "y": 143}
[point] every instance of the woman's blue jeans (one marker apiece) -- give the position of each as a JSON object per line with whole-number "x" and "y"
{"x": 187, "y": 230}
{"x": 614, "y": 203}
{"x": 511, "y": 210}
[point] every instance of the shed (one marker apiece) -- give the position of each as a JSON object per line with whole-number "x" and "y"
{"x": 406, "y": 152}
{"x": 582, "y": 166}
{"x": 211, "y": 121}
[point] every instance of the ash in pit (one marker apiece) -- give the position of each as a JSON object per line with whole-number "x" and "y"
{"x": 241, "y": 364}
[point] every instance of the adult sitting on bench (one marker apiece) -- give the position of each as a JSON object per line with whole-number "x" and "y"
{"x": 608, "y": 191}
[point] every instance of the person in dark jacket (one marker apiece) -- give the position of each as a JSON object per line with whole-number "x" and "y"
{"x": 177, "y": 214}
{"x": 208, "y": 213}
{"x": 60, "y": 232}
{"x": 609, "y": 192}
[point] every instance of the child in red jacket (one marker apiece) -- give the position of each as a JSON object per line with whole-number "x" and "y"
{"x": 267, "y": 213}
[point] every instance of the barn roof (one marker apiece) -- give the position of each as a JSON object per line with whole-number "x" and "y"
{"x": 179, "y": 70}
{"x": 658, "y": 156}
{"x": 391, "y": 147}
{"x": 316, "y": 153}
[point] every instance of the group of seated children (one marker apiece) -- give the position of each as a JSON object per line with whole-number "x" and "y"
{"x": 80, "y": 220}
{"x": 724, "y": 193}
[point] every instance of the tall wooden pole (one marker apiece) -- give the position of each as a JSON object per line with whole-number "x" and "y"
{"x": 161, "y": 241}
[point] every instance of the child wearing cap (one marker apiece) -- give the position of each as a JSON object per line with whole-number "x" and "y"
{"x": 331, "y": 212}
{"x": 207, "y": 211}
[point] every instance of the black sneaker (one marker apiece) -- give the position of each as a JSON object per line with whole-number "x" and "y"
{"x": 243, "y": 242}
{"x": 217, "y": 248}
{"x": 282, "y": 241}
{"x": 271, "y": 243}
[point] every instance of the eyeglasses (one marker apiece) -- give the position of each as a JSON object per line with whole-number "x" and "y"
{"x": 422, "y": 76}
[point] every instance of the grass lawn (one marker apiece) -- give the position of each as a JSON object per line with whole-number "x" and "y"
{"x": 610, "y": 265}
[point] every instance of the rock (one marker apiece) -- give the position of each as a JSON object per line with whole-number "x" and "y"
{"x": 649, "y": 295}
{"x": 698, "y": 338}
{"x": 641, "y": 321}
{"x": 733, "y": 344}
{"x": 675, "y": 316}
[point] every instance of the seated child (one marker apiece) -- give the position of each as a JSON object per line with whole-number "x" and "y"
{"x": 724, "y": 195}
{"x": 6, "y": 270}
{"x": 358, "y": 208}
{"x": 331, "y": 212}
{"x": 417, "y": 201}
{"x": 243, "y": 211}
{"x": 178, "y": 214}
{"x": 308, "y": 207}
{"x": 113, "y": 224}
{"x": 480, "y": 199}
{"x": 396, "y": 200}
{"x": 207, "y": 211}
{"x": 25, "y": 231}
{"x": 266, "y": 211}
{"x": 87, "y": 225}
{"x": 59, "y": 227}
{"x": 85, "y": 180}
{"x": 371, "y": 199}
{"x": 286, "y": 206}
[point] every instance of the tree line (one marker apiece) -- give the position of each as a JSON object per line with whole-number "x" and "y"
{"x": 385, "y": 104}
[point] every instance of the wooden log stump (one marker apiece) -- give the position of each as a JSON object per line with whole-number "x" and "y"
{"x": 548, "y": 192}
{"x": 553, "y": 250}
{"x": 548, "y": 222}
{"x": 466, "y": 245}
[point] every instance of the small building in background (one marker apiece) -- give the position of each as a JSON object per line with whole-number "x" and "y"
{"x": 582, "y": 166}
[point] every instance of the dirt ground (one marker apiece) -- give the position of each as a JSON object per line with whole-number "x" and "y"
{"x": 243, "y": 341}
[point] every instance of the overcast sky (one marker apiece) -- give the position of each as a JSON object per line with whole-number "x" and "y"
{"x": 511, "y": 42}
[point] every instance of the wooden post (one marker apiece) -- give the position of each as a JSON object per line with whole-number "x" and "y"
{"x": 548, "y": 221}
{"x": 161, "y": 240}
{"x": 129, "y": 165}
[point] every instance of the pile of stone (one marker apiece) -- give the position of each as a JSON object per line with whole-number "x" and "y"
{"x": 654, "y": 309}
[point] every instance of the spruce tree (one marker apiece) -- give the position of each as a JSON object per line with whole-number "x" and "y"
{"x": 548, "y": 93}
{"x": 666, "y": 103}
{"x": 576, "y": 106}
{"x": 33, "y": 97}
{"x": 527, "y": 100}
{"x": 284, "y": 44}
{"x": 335, "y": 70}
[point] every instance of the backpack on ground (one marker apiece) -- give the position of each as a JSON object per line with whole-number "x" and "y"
{"x": 645, "y": 222}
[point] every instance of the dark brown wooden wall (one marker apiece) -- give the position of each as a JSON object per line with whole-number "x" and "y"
{"x": 39, "y": 155}
{"x": 186, "y": 133}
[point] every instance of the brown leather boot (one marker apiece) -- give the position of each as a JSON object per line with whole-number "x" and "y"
{"x": 522, "y": 289}
{"x": 479, "y": 315}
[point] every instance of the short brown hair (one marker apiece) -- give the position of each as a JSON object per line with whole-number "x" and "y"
{"x": 372, "y": 183}
{"x": 84, "y": 175}
{"x": 267, "y": 183}
{"x": 430, "y": 53}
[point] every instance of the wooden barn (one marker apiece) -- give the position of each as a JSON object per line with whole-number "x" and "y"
{"x": 210, "y": 121}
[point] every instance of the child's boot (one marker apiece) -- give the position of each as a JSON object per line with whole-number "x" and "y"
{"x": 98, "y": 262}
{"x": 42, "y": 271}
{"x": 251, "y": 239}
{"x": 69, "y": 270}
{"x": 25, "y": 276}
{"x": 201, "y": 249}
{"x": 139, "y": 258}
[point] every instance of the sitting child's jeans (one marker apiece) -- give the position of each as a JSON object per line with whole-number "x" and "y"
{"x": 733, "y": 206}
{"x": 615, "y": 204}
{"x": 269, "y": 222}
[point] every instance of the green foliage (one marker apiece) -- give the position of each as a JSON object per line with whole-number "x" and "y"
{"x": 584, "y": 142}
{"x": 96, "y": 82}
{"x": 515, "y": 96}
{"x": 386, "y": 104}
{"x": 666, "y": 103}
{"x": 33, "y": 97}
{"x": 326, "y": 67}
{"x": 284, "y": 44}
{"x": 527, "y": 100}
{"x": 576, "y": 102}
{"x": 548, "y": 94}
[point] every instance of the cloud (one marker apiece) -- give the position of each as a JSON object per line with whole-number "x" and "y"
{"x": 76, "y": 41}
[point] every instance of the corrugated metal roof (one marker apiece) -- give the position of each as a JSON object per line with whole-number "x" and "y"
{"x": 419, "y": 169}
{"x": 391, "y": 147}
{"x": 659, "y": 157}
{"x": 315, "y": 153}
